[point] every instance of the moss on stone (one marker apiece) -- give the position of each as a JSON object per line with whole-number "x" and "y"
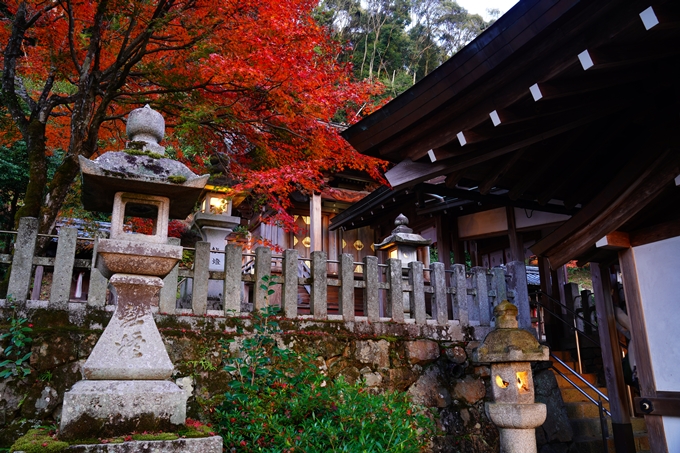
{"x": 177, "y": 179}
{"x": 38, "y": 441}
{"x": 155, "y": 436}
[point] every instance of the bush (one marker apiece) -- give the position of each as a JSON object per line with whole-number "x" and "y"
{"x": 279, "y": 401}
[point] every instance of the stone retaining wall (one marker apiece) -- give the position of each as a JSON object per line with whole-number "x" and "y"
{"x": 431, "y": 364}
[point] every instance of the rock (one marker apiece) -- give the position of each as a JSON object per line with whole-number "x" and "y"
{"x": 469, "y": 389}
{"x": 373, "y": 352}
{"x": 373, "y": 379}
{"x": 556, "y": 427}
{"x": 429, "y": 390}
{"x": 47, "y": 402}
{"x": 422, "y": 352}
{"x": 456, "y": 354}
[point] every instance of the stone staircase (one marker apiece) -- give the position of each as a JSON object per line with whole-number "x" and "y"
{"x": 584, "y": 415}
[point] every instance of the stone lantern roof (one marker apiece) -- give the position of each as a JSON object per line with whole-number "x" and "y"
{"x": 402, "y": 234}
{"x": 141, "y": 168}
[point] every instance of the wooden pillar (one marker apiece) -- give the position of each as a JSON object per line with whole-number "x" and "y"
{"x": 474, "y": 254}
{"x": 624, "y": 441}
{"x": 443, "y": 226}
{"x": 315, "y": 226}
{"x": 552, "y": 330}
{"x": 516, "y": 244}
{"x": 631, "y": 287}
{"x": 457, "y": 246}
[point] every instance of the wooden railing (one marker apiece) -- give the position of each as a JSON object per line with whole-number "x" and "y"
{"x": 379, "y": 293}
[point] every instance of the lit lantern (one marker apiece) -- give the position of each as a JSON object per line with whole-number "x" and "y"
{"x": 403, "y": 244}
{"x": 510, "y": 351}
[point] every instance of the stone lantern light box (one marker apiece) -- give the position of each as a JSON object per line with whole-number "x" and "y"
{"x": 403, "y": 243}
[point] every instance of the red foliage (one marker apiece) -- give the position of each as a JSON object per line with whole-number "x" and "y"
{"x": 254, "y": 82}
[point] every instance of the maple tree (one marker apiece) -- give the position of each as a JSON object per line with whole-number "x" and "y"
{"x": 252, "y": 83}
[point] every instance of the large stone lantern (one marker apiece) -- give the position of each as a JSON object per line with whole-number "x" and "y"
{"x": 403, "y": 244}
{"x": 510, "y": 351}
{"x": 126, "y": 386}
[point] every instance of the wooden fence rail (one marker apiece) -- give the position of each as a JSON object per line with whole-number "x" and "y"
{"x": 379, "y": 293}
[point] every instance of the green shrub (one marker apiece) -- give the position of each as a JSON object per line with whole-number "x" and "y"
{"x": 280, "y": 402}
{"x": 17, "y": 339}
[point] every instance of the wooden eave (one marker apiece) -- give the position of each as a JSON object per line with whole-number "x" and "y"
{"x": 523, "y": 113}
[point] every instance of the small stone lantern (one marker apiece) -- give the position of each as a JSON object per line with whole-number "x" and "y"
{"x": 510, "y": 351}
{"x": 215, "y": 222}
{"x": 403, "y": 244}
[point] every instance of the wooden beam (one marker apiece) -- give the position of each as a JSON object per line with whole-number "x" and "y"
{"x": 616, "y": 240}
{"x": 500, "y": 170}
{"x": 408, "y": 172}
{"x": 444, "y": 249}
{"x": 454, "y": 178}
{"x": 611, "y": 360}
{"x": 631, "y": 287}
{"x": 490, "y": 200}
{"x": 632, "y": 189}
{"x": 655, "y": 233}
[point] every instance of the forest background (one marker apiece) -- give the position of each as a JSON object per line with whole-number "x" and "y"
{"x": 254, "y": 90}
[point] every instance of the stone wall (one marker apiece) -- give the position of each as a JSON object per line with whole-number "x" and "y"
{"x": 432, "y": 365}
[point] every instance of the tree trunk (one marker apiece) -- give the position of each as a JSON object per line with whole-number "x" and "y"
{"x": 37, "y": 161}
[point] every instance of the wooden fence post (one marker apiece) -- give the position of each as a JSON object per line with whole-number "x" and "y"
{"x": 395, "y": 293}
{"x": 199, "y": 299}
{"x": 318, "y": 305}
{"x": 168, "y": 298}
{"x": 479, "y": 282}
{"x": 96, "y": 296}
{"x": 290, "y": 283}
{"x": 263, "y": 267}
{"x": 347, "y": 287}
{"x": 22, "y": 261}
{"x": 415, "y": 276}
{"x": 460, "y": 305}
{"x": 63, "y": 268}
{"x": 439, "y": 298}
{"x": 232, "y": 279}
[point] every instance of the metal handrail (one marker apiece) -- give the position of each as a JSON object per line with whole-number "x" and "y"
{"x": 588, "y": 384}
{"x": 602, "y": 411}
{"x": 558, "y": 302}
{"x": 574, "y": 329}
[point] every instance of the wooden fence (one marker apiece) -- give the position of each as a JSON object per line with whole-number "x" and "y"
{"x": 333, "y": 289}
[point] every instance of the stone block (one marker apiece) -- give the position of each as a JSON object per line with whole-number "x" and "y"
{"x": 429, "y": 389}
{"x": 456, "y": 354}
{"x": 374, "y": 352}
{"x": 469, "y": 389}
{"x": 94, "y": 409}
{"x": 422, "y": 351}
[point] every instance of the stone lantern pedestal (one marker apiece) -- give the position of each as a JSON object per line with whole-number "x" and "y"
{"x": 510, "y": 351}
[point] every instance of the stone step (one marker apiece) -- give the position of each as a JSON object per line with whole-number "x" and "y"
{"x": 576, "y": 410}
{"x": 563, "y": 383}
{"x": 571, "y": 395}
{"x": 589, "y": 427}
{"x": 565, "y": 356}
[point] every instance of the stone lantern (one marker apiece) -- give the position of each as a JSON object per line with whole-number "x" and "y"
{"x": 510, "y": 351}
{"x": 215, "y": 222}
{"x": 403, "y": 244}
{"x": 126, "y": 384}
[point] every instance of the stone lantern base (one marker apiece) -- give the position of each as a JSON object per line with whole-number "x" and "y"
{"x": 516, "y": 425}
{"x": 201, "y": 445}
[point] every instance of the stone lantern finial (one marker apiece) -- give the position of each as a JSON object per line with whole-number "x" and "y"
{"x": 506, "y": 315}
{"x": 146, "y": 126}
